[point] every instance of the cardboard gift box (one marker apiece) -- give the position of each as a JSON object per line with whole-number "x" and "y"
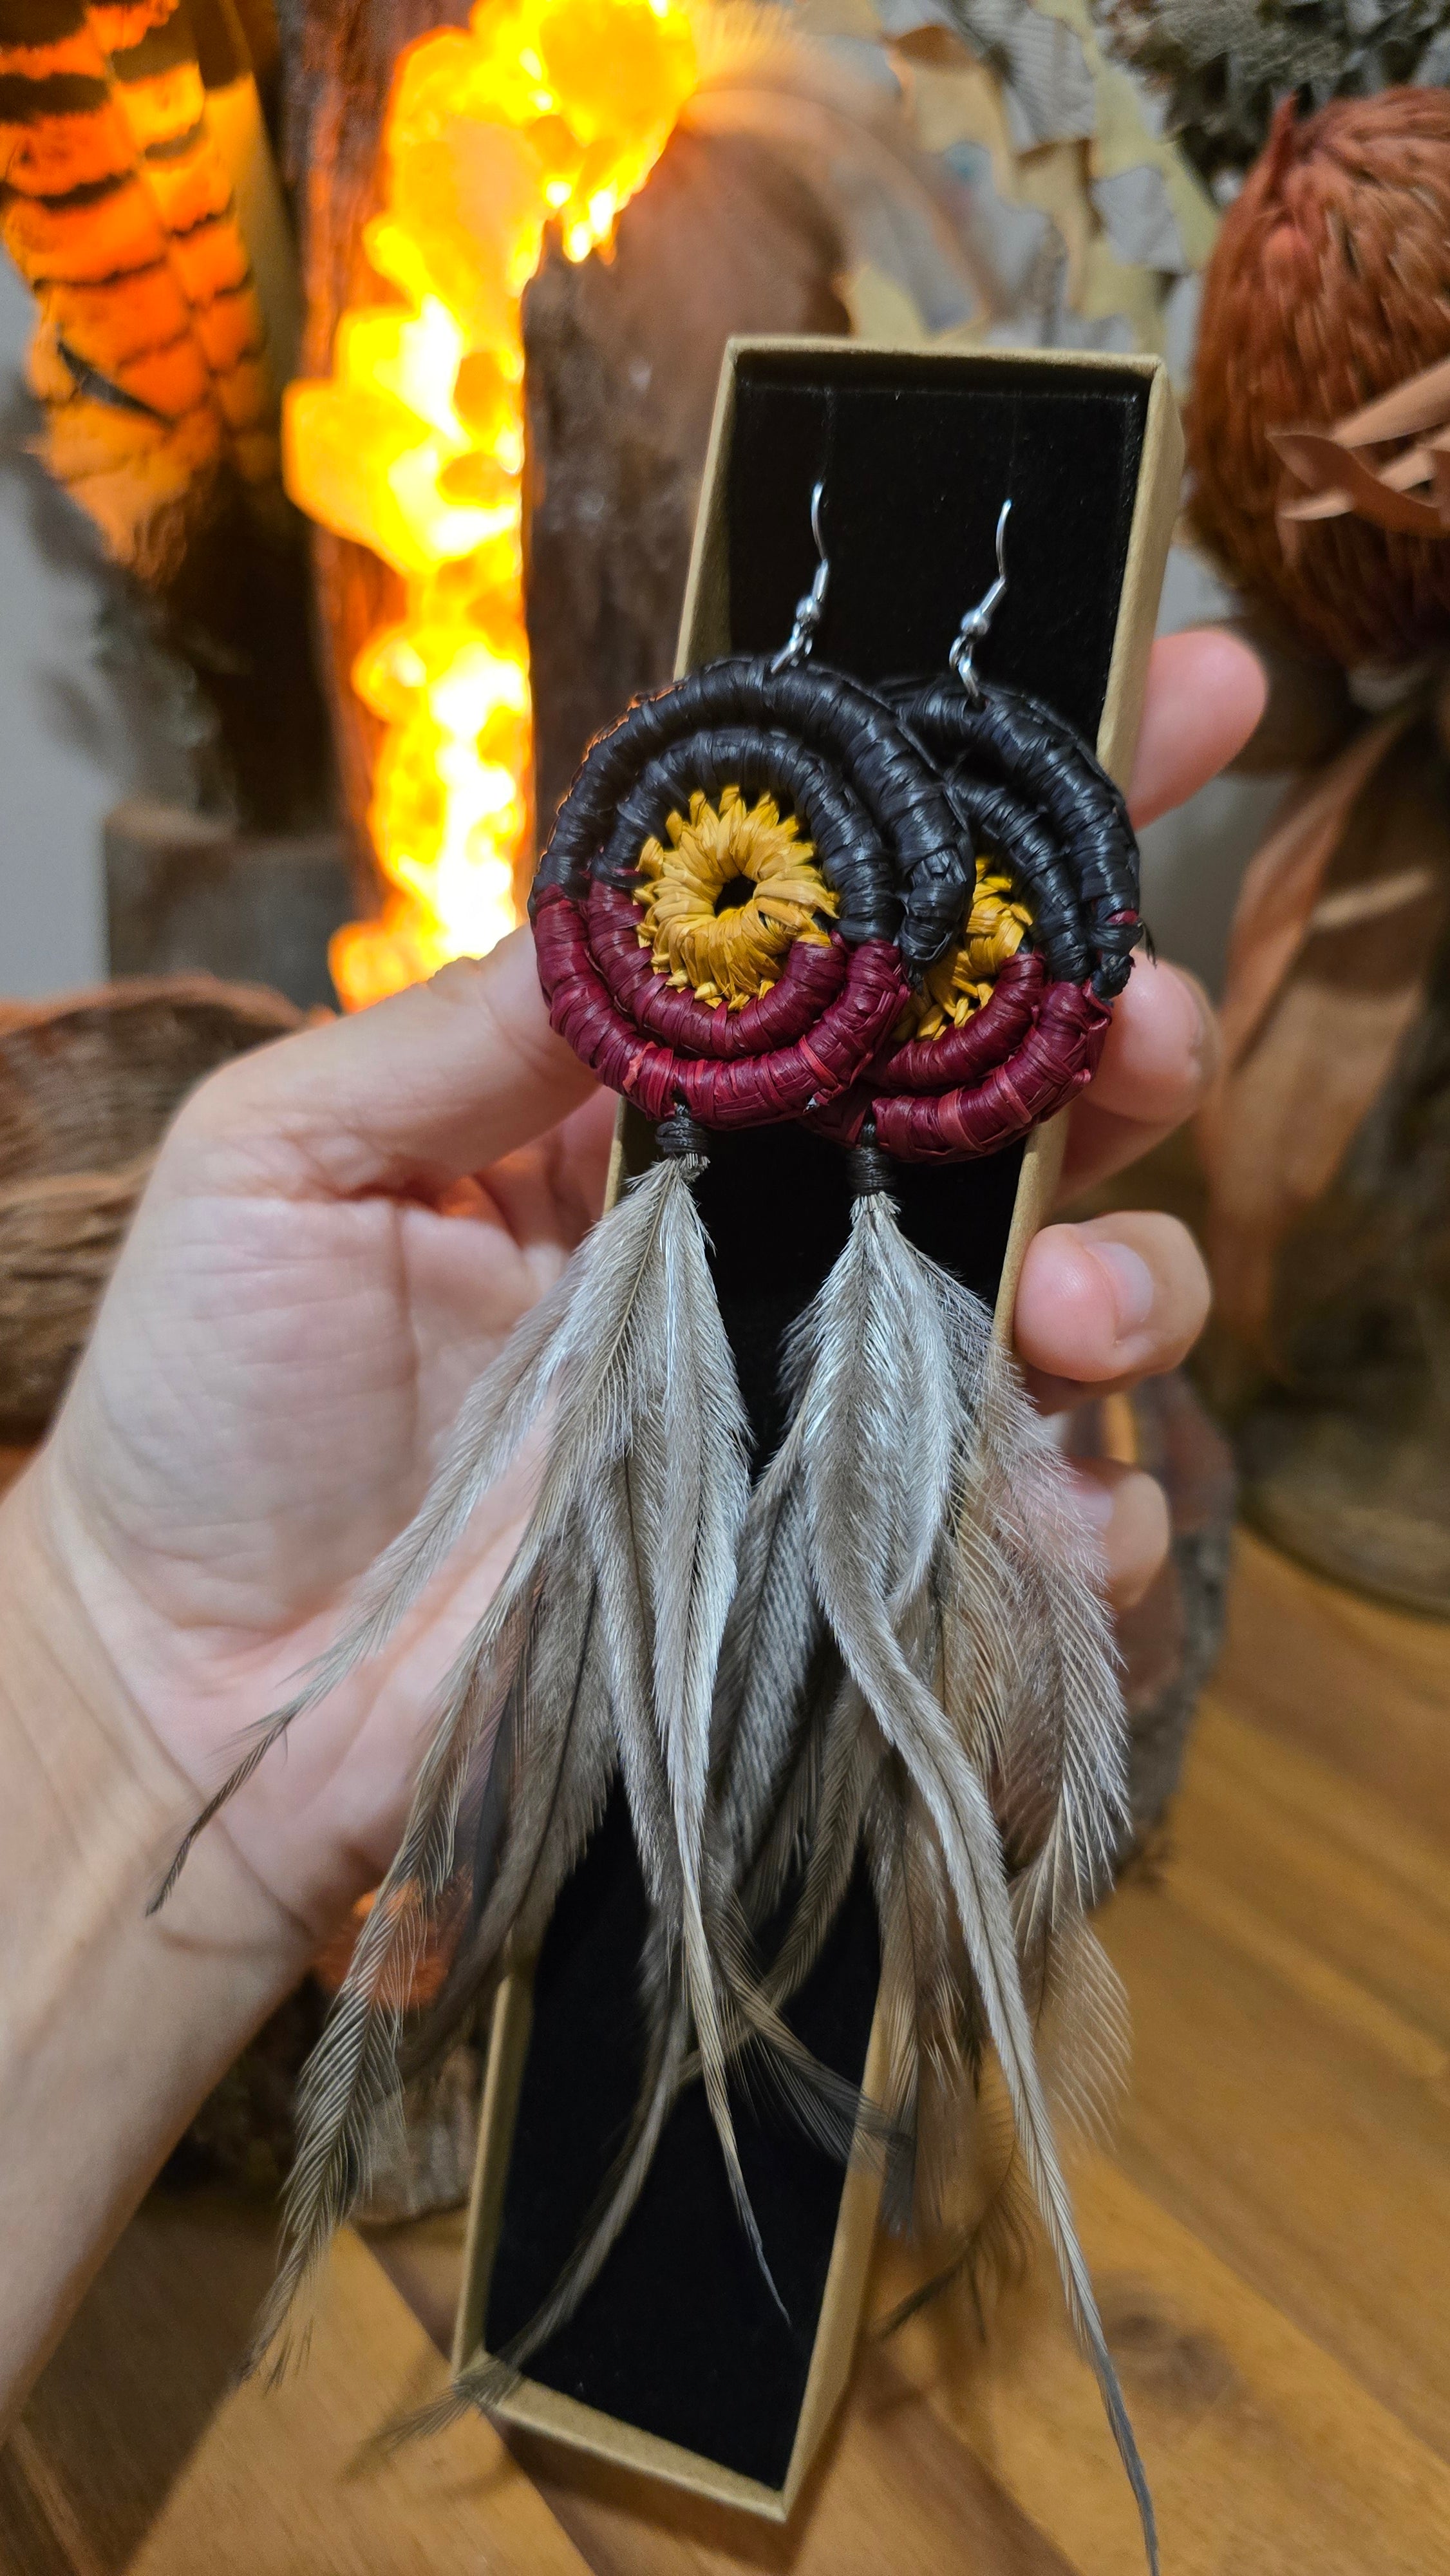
{"x": 678, "y": 2362}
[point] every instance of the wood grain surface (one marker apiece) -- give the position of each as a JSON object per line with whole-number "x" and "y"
{"x": 1271, "y": 2241}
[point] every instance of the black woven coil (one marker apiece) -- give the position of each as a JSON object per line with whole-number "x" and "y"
{"x": 1027, "y": 792}
{"x": 829, "y": 751}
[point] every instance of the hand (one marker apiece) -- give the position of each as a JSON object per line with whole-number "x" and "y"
{"x": 341, "y": 1231}
{"x": 1124, "y": 1297}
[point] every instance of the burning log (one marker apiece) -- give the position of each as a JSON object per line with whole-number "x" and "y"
{"x": 622, "y": 360}
{"x": 152, "y": 273}
{"x": 543, "y": 113}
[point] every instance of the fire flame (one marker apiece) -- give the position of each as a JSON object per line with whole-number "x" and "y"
{"x": 542, "y": 112}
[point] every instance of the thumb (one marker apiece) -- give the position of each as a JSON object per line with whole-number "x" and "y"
{"x": 433, "y": 1083}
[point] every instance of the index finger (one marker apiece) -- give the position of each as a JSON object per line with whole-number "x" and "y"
{"x": 448, "y": 1077}
{"x": 421, "y": 1090}
{"x": 1206, "y": 692}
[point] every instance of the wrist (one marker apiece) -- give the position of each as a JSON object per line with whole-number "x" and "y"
{"x": 102, "y": 1794}
{"x": 93, "y": 1773}
{"x": 112, "y": 2027}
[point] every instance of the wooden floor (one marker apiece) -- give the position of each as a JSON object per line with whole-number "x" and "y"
{"x": 1271, "y": 2244}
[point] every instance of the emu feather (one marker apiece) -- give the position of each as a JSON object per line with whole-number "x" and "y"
{"x": 939, "y": 1542}
{"x": 597, "y": 1655}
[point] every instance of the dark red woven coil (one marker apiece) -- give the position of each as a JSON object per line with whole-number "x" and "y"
{"x": 960, "y": 1057}
{"x": 1058, "y": 1055}
{"x": 743, "y": 1091}
{"x": 811, "y": 977}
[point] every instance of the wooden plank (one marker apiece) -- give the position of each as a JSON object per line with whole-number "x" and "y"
{"x": 1349, "y": 1680}
{"x": 423, "y": 2258}
{"x": 895, "y": 2490}
{"x": 1333, "y": 1868}
{"x": 137, "y": 2454}
{"x": 1263, "y": 2452}
{"x": 1289, "y": 2103}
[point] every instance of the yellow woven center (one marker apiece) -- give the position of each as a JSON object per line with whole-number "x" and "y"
{"x": 724, "y": 897}
{"x": 963, "y": 978}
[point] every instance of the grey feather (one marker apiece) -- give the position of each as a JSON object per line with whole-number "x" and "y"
{"x": 937, "y": 1558}
{"x": 495, "y": 1418}
{"x": 597, "y": 1654}
{"x": 762, "y": 1707}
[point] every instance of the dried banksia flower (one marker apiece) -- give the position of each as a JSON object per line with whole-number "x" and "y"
{"x": 1329, "y": 284}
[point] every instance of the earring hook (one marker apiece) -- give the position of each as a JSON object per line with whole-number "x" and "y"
{"x": 974, "y": 625}
{"x": 809, "y": 609}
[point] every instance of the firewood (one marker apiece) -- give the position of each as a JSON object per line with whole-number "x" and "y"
{"x": 623, "y": 359}
{"x": 188, "y": 893}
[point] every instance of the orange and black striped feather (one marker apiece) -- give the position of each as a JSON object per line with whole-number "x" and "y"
{"x": 150, "y": 354}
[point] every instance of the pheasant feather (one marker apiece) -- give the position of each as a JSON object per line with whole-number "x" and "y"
{"x": 116, "y": 203}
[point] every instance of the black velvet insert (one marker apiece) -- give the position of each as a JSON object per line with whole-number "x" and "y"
{"x": 777, "y": 1204}
{"x": 917, "y": 457}
{"x": 679, "y": 2335}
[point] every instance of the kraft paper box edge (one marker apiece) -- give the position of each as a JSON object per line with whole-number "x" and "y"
{"x": 704, "y": 635}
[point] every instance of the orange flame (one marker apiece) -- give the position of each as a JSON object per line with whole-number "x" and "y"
{"x": 544, "y": 111}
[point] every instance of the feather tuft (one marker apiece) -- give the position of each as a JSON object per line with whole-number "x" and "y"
{"x": 596, "y": 1656}
{"x": 985, "y": 1757}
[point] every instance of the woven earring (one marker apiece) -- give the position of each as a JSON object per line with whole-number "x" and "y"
{"x": 964, "y": 1725}
{"x": 715, "y": 920}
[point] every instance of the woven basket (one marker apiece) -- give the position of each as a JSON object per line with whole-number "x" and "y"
{"x": 88, "y": 1086}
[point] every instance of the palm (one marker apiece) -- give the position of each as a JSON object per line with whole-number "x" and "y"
{"x": 260, "y": 1408}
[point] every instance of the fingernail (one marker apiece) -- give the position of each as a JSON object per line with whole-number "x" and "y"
{"x": 1094, "y": 1500}
{"x": 1133, "y": 1286}
{"x": 1201, "y": 1027}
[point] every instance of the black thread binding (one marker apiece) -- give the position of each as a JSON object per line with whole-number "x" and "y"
{"x": 680, "y": 1135}
{"x": 870, "y": 1166}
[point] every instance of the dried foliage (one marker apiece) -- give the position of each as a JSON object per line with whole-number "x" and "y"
{"x": 1227, "y": 64}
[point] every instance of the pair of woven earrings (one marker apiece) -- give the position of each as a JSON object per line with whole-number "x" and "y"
{"x": 900, "y": 915}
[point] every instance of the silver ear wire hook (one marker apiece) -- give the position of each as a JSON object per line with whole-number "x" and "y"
{"x": 811, "y": 609}
{"x": 974, "y": 625}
